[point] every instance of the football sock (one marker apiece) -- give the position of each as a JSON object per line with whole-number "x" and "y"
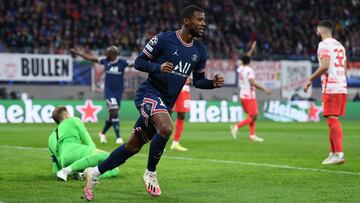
{"x": 244, "y": 122}
{"x": 179, "y": 127}
{"x": 93, "y": 160}
{"x": 252, "y": 128}
{"x": 106, "y": 126}
{"x": 89, "y": 161}
{"x": 116, "y": 125}
{"x": 115, "y": 159}
{"x": 335, "y": 133}
{"x": 157, "y": 147}
{"x": 109, "y": 174}
{"x": 332, "y": 147}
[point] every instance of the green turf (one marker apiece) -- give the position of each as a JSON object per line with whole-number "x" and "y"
{"x": 194, "y": 176}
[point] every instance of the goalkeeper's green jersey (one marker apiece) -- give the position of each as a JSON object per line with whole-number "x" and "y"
{"x": 72, "y": 130}
{"x": 52, "y": 143}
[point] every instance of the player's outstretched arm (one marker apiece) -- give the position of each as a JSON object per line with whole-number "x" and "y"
{"x": 252, "y": 49}
{"x": 84, "y": 55}
{"x": 201, "y": 82}
{"x": 259, "y": 86}
{"x": 325, "y": 62}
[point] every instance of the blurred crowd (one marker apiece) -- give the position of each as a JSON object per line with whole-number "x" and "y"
{"x": 281, "y": 27}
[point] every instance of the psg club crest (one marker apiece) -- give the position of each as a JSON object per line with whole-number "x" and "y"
{"x": 194, "y": 58}
{"x": 153, "y": 41}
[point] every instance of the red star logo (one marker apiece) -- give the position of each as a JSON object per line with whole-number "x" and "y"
{"x": 89, "y": 111}
{"x": 314, "y": 112}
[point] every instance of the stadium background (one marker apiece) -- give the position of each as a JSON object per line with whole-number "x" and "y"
{"x": 284, "y": 58}
{"x": 284, "y": 31}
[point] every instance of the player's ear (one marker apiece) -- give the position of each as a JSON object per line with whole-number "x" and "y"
{"x": 186, "y": 21}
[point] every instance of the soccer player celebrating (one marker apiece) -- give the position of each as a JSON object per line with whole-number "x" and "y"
{"x": 169, "y": 58}
{"x": 182, "y": 105}
{"x": 247, "y": 96}
{"x": 332, "y": 63}
{"x": 114, "y": 86}
{"x": 71, "y": 147}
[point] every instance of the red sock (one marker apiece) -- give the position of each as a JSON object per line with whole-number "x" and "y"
{"x": 332, "y": 147}
{"x": 252, "y": 128}
{"x": 179, "y": 127}
{"x": 335, "y": 134}
{"x": 247, "y": 121}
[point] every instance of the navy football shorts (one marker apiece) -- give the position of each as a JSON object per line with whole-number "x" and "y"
{"x": 113, "y": 103}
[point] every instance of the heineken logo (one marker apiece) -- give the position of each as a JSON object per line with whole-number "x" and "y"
{"x": 203, "y": 111}
{"x": 89, "y": 111}
{"x": 300, "y": 111}
{"x": 28, "y": 112}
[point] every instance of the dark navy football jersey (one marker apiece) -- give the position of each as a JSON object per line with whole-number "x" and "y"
{"x": 169, "y": 47}
{"x": 114, "y": 77}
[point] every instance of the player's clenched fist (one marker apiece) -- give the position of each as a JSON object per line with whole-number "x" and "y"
{"x": 166, "y": 67}
{"x": 218, "y": 81}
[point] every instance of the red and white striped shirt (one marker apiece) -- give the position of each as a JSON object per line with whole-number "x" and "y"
{"x": 334, "y": 80}
{"x": 247, "y": 91}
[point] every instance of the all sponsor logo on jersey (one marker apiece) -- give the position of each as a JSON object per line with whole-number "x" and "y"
{"x": 114, "y": 69}
{"x": 182, "y": 68}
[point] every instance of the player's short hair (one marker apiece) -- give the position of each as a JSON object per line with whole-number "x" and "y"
{"x": 188, "y": 11}
{"x": 326, "y": 24}
{"x": 245, "y": 59}
{"x": 113, "y": 48}
{"x": 57, "y": 114}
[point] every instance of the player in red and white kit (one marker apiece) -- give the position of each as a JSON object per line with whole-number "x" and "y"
{"x": 332, "y": 63}
{"x": 182, "y": 105}
{"x": 247, "y": 96}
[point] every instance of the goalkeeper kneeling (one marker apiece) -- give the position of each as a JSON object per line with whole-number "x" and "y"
{"x": 72, "y": 149}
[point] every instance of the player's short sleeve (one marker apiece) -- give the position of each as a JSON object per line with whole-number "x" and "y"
{"x": 238, "y": 69}
{"x": 154, "y": 46}
{"x": 102, "y": 60}
{"x": 251, "y": 74}
{"x": 323, "y": 50}
{"x": 123, "y": 62}
{"x": 200, "y": 68}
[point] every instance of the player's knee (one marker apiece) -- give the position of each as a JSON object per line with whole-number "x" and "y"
{"x": 133, "y": 149}
{"x": 254, "y": 117}
{"x": 113, "y": 113}
{"x": 165, "y": 130}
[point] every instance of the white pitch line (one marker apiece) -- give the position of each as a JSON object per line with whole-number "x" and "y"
{"x": 268, "y": 165}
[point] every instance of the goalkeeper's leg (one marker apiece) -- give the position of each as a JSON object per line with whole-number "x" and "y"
{"x": 96, "y": 157}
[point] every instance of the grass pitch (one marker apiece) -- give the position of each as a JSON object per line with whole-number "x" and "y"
{"x": 285, "y": 168}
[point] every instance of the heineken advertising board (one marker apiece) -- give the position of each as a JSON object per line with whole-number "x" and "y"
{"x": 39, "y": 111}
